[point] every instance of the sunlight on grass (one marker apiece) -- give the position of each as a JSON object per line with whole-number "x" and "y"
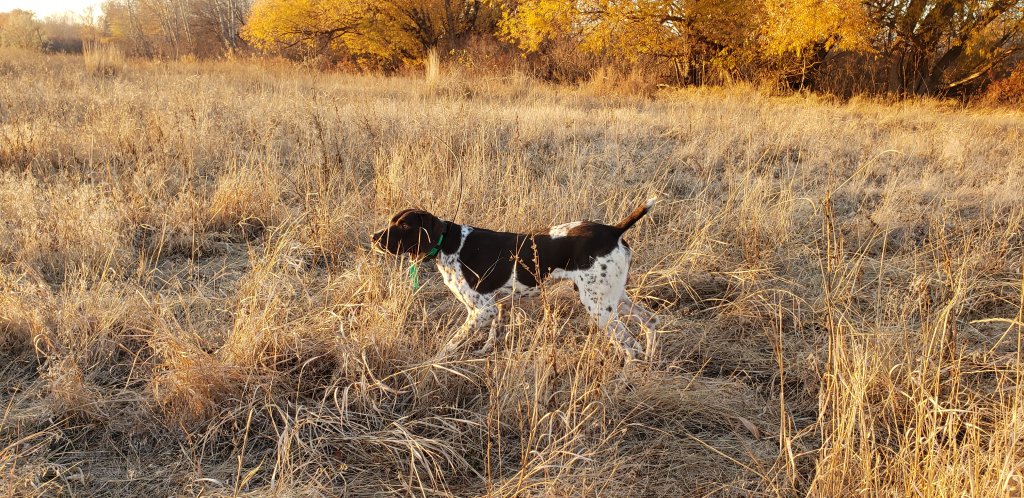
{"x": 188, "y": 304}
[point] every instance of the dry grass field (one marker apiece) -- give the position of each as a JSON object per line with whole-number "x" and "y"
{"x": 188, "y": 303}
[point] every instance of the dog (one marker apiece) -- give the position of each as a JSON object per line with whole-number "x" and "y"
{"x": 484, "y": 267}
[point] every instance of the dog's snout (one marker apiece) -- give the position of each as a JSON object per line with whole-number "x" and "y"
{"x": 377, "y": 242}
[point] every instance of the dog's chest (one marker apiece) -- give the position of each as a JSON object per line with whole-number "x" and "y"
{"x": 452, "y": 271}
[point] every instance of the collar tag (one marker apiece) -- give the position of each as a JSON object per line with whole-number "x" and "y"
{"x": 414, "y": 276}
{"x": 414, "y": 269}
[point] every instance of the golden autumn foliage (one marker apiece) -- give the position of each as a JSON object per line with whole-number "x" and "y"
{"x": 19, "y": 29}
{"x": 536, "y": 21}
{"x": 925, "y": 46}
{"x": 278, "y": 24}
{"x": 728, "y": 34}
{"x": 395, "y": 31}
{"x": 794, "y": 26}
{"x": 673, "y": 27}
{"x": 664, "y": 28}
{"x": 845, "y": 46}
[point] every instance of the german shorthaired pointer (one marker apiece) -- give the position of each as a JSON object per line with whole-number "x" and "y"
{"x": 483, "y": 267}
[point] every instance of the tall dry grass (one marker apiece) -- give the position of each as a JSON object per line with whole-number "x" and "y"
{"x": 103, "y": 59}
{"x": 189, "y": 307}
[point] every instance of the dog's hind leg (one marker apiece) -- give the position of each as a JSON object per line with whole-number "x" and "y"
{"x": 630, "y": 309}
{"x": 618, "y": 332}
{"x": 604, "y": 309}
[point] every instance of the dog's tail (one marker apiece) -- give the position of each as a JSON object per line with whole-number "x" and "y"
{"x": 637, "y": 213}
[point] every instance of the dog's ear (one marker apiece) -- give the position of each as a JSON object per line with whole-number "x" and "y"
{"x": 434, "y": 225}
{"x": 427, "y": 229}
{"x": 401, "y": 213}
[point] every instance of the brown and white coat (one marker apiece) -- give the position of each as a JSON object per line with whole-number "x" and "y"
{"x": 484, "y": 267}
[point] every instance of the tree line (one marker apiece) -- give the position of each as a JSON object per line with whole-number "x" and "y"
{"x": 904, "y": 47}
{"x": 19, "y": 28}
{"x": 141, "y": 28}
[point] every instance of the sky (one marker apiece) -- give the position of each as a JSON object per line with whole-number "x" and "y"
{"x": 45, "y": 8}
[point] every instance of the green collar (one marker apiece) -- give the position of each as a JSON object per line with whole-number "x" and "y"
{"x": 434, "y": 250}
{"x": 414, "y": 270}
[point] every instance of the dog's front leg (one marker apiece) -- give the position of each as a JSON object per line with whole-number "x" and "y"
{"x": 478, "y": 318}
{"x": 462, "y": 333}
{"x": 492, "y": 335}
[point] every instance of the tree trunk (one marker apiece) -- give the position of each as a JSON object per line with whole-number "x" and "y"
{"x": 449, "y": 19}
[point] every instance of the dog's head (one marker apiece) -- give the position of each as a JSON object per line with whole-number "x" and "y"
{"x": 413, "y": 231}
